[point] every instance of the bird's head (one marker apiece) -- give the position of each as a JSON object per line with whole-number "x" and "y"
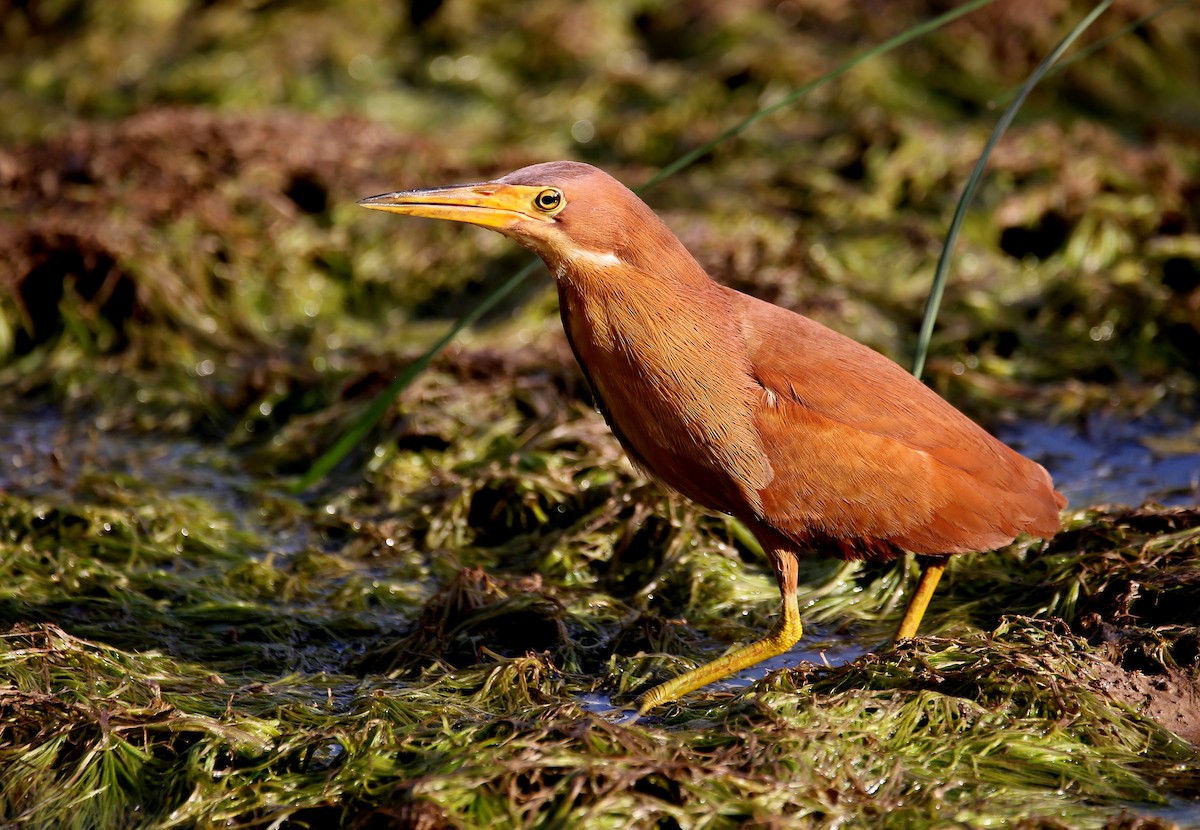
{"x": 573, "y": 215}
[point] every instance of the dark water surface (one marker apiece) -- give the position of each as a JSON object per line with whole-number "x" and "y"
{"x": 1115, "y": 462}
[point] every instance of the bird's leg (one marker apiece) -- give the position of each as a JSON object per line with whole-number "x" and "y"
{"x": 784, "y": 634}
{"x": 920, "y": 599}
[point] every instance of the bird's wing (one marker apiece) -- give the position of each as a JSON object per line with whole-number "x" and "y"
{"x": 863, "y": 450}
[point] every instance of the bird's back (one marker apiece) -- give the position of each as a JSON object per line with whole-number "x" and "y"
{"x": 868, "y": 457}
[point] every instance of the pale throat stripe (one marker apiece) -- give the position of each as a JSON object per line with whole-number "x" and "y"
{"x": 598, "y": 259}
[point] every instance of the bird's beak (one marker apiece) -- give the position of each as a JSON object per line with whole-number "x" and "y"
{"x": 490, "y": 204}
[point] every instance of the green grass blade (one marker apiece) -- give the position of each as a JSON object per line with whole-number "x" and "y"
{"x": 378, "y": 407}
{"x": 934, "y": 301}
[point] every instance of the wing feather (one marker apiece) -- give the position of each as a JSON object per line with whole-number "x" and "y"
{"x": 863, "y": 450}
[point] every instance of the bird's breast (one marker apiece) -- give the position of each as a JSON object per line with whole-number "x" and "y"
{"x": 671, "y": 377}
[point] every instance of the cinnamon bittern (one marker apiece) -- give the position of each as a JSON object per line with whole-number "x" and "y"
{"x": 814, "y": 441}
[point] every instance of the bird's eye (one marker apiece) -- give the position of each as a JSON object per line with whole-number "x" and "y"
{"x": 548, "y": 200}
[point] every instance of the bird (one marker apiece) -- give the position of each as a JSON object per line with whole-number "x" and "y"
{"x": 815, "y": 442}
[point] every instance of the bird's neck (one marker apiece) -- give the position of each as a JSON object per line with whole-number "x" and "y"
{"x": 663, "y": 353}
{"x": 613, "y": 295}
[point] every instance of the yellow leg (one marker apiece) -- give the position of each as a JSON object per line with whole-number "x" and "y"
{"x": 920, "y": 599}
{"x": 783, "y": 636}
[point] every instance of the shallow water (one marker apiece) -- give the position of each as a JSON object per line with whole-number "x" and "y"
{"x": 822, "y": 651}
{"x": 1184, "y": 814}
{"x": 43, "y": 454}
{"x": 1116, "y": 462}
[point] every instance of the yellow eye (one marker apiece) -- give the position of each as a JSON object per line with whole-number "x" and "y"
{"x": 548, "y": 200}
